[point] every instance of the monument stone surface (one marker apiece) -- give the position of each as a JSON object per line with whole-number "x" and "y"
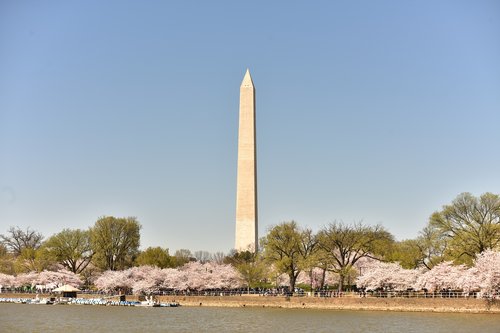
{"x": 246, "y": 193}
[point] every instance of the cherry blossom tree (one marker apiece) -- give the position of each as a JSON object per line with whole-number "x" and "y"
{"x": 373, "y": 274}
{"x": 317, "y": 278}
{"x": 486, "y": 271}
{"x": 484, "y": 276}
{"x": 25, "y": 279}
{"x": 45, "y": 280}
{"x": 6, "y": 280}
{"x": 226, "y": 276}
{"x": 468, "y": 281}
{"x": 209, "y": 276}
{"x": 110, "y": 281}
{"x": 145, "y": 279}
{"x": 56, "y": 279}
{"x": 136, "y": 279}
{"x": 173, "y": 278}
{"x": 442, "y": 276}
{"x": 192, "y": 276}
{"x": 391, "y": 276}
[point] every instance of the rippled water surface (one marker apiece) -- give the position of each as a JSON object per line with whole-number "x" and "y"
{"x": 72, "y": 318}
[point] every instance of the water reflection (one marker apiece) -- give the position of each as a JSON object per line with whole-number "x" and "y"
{"x": 59, "y": 318}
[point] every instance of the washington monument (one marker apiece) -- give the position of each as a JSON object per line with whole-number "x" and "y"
{"x": 246, "y": 192}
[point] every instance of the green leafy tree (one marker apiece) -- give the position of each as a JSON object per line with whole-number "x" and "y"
{"x": 70, "y": 248}
{"x": 253, "y": 272}
{"x": 251, "y": 266}
{"x": 237, "y": 257}
{"x": 312, "y": 257}
{"x": 32, "y": 260}
{"x": 288, "y": 247}
{"x": 343, "y": 245}
{"x": 433, "y": 247}
{"x": 471, "y": 225}
{"x": 407, "y": 252}
{"x": 154, "y": 256}
{"x": 115, "y": 242}
{"x": 427, "y": 250}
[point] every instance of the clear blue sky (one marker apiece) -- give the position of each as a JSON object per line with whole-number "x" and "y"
{"x": 381, "y": 111}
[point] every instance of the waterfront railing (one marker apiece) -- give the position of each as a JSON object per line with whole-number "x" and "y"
{"x": 298, "y": 293}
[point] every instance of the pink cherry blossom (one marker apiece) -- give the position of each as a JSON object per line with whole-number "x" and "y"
{"x": 485, "y": 275}
{"x": 391, "y": 276}
{"x": 6, "y": 280}
{"x": 442, "y": 276}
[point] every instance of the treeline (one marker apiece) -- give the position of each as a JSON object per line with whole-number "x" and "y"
{"x": 111, "y": 244}
{"x": 457, "y": 233}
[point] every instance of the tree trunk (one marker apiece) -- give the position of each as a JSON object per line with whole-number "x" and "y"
{"x": 311, "y": 278}
{"x": 341, "y": 281}
{"x": 323, "y": 277}
{"x": 293, "y": 278}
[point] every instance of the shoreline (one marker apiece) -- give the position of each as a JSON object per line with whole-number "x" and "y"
{"x": 434, "y": 305}
{"x": 437, "y": 305}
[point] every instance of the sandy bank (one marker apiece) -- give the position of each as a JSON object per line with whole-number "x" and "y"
{"x": 458, "y": 305}
{"x": 373, "y": 304}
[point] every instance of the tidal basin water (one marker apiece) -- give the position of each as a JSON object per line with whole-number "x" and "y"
{"x": 81, "y": 318}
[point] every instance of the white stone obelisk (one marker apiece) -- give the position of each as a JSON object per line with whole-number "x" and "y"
{"x": 246, "y": 192}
